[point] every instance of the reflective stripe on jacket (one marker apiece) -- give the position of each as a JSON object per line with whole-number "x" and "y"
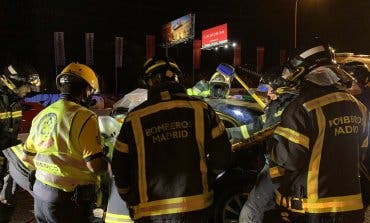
{"x": 320, "y": 139}
{"x": 59, "y": 163}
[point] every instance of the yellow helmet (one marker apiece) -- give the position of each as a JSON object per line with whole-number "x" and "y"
{"x": 82, "y": 71}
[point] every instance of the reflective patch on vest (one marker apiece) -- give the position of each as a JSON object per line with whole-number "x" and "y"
{"x": 48, "y": 167}
{"x": 45, "y": 129}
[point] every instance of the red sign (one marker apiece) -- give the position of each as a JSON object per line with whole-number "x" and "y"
{"x": 214, "y": 36}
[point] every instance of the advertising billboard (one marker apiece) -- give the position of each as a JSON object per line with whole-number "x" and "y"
{"x": 178, "y": 30}
{"x": 214, "y": 36}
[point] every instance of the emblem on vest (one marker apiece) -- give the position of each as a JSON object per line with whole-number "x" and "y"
{"x": 45, "y": 129}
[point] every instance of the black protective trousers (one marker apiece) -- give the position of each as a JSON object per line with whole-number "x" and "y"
{"x": 60, "y": 212}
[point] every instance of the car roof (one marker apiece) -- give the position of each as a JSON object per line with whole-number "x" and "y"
{"x": 349, "y": 57}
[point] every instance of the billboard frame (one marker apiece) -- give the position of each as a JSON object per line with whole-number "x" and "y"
{"x": 167, "y": 31}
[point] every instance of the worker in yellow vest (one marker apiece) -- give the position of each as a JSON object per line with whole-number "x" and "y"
{"x": 64, "y": 145}
{"x": 217, "y": 87}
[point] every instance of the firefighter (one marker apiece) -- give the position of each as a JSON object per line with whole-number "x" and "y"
{"x": 16, "y": 81}
{"x": 261, "y": 197}
{"x": 278, "y": 96}
{"x": 64, "y": 145}
{"x": 218, "y": 86}
{"x": 168, "y": 151}
{"x": 320, "y": 141}
{"x": 361, "y": 90}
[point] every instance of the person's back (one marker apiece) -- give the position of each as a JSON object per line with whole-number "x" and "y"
{"x": 172, "y": 142}
{"x": 324, "y": 169}
{"x": 69, "y": 117}
{"x": 319, "y": 142}
{"x": 64, "y": 146}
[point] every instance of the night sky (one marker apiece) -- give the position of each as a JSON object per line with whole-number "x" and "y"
{"x": 27, "y": 27}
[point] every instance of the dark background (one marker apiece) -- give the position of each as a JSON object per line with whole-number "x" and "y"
{"x": 27, "y": 27}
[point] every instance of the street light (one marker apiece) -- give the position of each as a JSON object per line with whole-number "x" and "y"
{"x": 295, "y": 23}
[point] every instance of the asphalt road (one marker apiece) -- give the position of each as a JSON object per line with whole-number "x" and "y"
{"x": 23, "y": 212}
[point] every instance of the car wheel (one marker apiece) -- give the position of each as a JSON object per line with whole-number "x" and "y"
{"x": 229, "y": 204}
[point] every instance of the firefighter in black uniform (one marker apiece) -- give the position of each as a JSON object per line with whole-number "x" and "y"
{"x": 320, "y": 142}
{"x": 15, "y": 82}
{"x": 261, "y": 197}
{"x": 168, "y": 151}
{"x": 361, "y": 90}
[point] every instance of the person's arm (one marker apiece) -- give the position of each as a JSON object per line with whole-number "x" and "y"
{"x": 120, "y": 160}
{"x": 271, "y": 117}
{"x": 92, "y": 151}
{"x": 290, "y": 144}
{"x": 245, "y": 131}
{"x": 364, "y": 150}
{"x": 217, "y": 145}
{"x": 29, "y": 151}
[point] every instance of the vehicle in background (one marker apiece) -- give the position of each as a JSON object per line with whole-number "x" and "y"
{"x": 29, "y": 111}
{"x": 349, "y": 57}
{"x": 233, "y": 185}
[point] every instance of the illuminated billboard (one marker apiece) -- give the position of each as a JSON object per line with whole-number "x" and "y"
{"x": 214, "y": 36}
{"x": 179, "y": 30}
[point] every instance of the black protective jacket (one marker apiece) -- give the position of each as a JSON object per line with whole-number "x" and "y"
{"x": 10, "y": 119}
{"x": 165, "y": 154}
{"x": 320, "y": 142}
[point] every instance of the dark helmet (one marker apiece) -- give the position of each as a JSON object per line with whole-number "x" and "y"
{"x": 359, "y": 70}
{"x": 161, "y": 69}
{"x": 304, "y": 60}
{"x": 278, "y": 84}
{"x": 20, "y": 79}
{"x": 273, "y": 78}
